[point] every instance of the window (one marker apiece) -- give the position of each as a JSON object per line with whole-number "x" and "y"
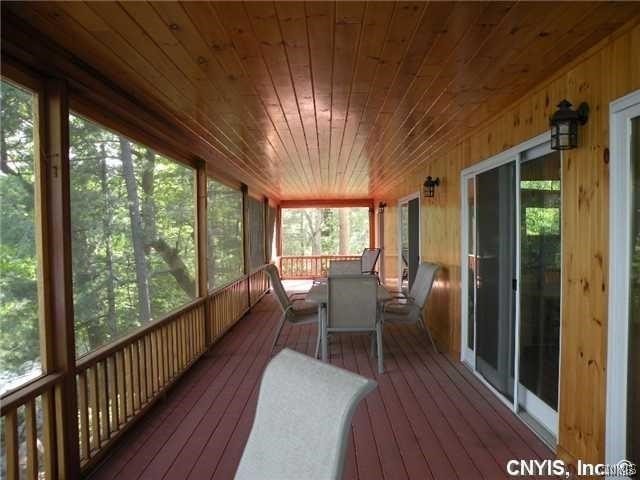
{"x": 325, "y": 231}
{"x": 19, "y": 266}
{"x": 133, "y": 227}
{"x": 225, "y": 254}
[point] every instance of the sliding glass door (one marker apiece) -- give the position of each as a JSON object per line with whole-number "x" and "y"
{"x": 512, "y": 245}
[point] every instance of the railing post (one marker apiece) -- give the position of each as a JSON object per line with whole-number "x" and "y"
{"x": 265, "y": 236}
{"x": 245, "y": 238}
{"x": 60, "y": 355}
{"x": 202, "y": 246}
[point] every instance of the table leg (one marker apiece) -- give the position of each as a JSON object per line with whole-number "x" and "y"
{"x": 325, "y": 340}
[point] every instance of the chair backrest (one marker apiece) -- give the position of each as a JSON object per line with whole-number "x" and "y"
{"x": 344, "y": 267}
{"x": 422, "y": 284}
{"x": 276, "y": 285}
{"x": 302, "y": 420}
{"x": 369, "y": 259}
{"x": 352, "y": 302}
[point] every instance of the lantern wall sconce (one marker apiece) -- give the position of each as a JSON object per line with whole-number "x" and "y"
{"x": 564, "y": 125}
{"x": 381, "y": 207}
{"x": 429, "y": 186}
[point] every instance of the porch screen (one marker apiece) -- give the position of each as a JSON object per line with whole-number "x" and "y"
{"x": 255, "y": 226}
{"x": 271, "y": 230}
{"x": 19, "y": 238}
{"x": 225, "y": 254}
{"x": 133, "y": 234}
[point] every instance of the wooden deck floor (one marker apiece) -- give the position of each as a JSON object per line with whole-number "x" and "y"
{"x": 429, "y": 418}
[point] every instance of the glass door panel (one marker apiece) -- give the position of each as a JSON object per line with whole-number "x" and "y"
{"x": 471, "y": 256}
{"x": 540, "y": 264}
{"x": 414, "y": 239}
{"x": 496, "y": 271}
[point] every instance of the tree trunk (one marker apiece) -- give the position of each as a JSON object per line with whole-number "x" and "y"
{"x": 106, "y": 226}
{"x": 152, "y": 239}
{"x": 343, "y": 217}
{"x": 314, "y": 223}
{"x": 137, "y": 233}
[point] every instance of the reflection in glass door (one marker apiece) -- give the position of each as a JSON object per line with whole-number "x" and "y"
{"x": 540, "y": 262}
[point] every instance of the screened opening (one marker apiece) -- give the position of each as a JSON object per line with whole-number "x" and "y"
{"x": 133, "y": 234}
{"x": 225, "y": 254}
{"x": 325, "y": 231}
{"x": 256, "y": 237}
{"x": 19, "y": 259}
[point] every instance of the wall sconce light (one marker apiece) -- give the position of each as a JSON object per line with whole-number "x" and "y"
{"x": 381, "y": 207}
{"x": 564, "y": 125}
{"x": 429, "y": 186}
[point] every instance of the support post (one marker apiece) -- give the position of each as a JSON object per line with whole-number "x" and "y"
{"x": 372, "y": 224}
{"x": 265, "y": 235}
{"x": 202, "y": 244}
{"x": 58, "y": 277}
{"x": 279, "y": 231}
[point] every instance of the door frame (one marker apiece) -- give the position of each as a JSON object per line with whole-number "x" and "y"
{"x": 405, "y": 199}
{"x": 620, "y": 196}
{"x": 546, "y": 416}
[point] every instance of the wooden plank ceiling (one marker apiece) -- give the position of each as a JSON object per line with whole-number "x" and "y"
{"x": 327, "y": 100}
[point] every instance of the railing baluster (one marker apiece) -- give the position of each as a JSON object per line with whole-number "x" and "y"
{"x": 94, "y": 402}
{"x": 83, "y": 406}
{"x": 11, "y": 445}
{"x": 31, "y": 434}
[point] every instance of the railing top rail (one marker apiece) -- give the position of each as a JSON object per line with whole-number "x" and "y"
{"x": 286, "y": 257}
{"x": 91, "y": 358}
{"x": 244, "y": 277}
{"x": 28, "y": 391}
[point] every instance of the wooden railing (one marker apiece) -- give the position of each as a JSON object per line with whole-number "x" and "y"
{"x": 118, "y": 383}
{"x": 29, "y": 417}
{"x": 312, "y": 266}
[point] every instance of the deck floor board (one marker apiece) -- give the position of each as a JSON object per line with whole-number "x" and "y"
{"x": 430, "y": 418}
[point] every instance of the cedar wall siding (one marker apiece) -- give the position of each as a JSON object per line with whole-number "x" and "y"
{"x": 608, "y": 71}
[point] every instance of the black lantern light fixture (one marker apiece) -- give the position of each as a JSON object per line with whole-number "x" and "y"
{"x": 564, "y": 125}
{"x": 429, "y": 186}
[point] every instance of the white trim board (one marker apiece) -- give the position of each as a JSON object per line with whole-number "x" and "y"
{"x": 621, "y": 112}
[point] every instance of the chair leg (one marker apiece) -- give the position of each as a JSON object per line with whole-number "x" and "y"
{"x": 423, "y": 325}
{"x": 372, "y": 349}
{"x": 318, "y": 342}
{"x": 278, "y": 330}
{"x": 380, "y": 347}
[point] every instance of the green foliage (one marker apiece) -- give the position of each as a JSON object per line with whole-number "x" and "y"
{"x": 19, "y": 324}
{"x": 224, "y": 224}
{"x": 106, "y": 278}
{"x": 317, "y": 231}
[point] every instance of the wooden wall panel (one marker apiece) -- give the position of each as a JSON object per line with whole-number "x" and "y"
{"x": 608, "y": 71}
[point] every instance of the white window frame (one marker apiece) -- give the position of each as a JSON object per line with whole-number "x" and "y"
{"x": 621, "y": 112}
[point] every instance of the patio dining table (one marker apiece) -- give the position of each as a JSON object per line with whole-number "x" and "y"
{"x": 319, "y": 295}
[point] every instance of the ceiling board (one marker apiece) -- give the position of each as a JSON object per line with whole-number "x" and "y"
{"x": 326, "y": 100}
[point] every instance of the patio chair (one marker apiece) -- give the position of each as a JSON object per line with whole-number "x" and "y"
{"x": 302, "y": 421}
{"x": 344, "y": 267}
{"x": 297, "y": 312}
{"x": 353, "y": 307}
{"x": 369, "y": 259}
{"x": 409, "y": 309}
